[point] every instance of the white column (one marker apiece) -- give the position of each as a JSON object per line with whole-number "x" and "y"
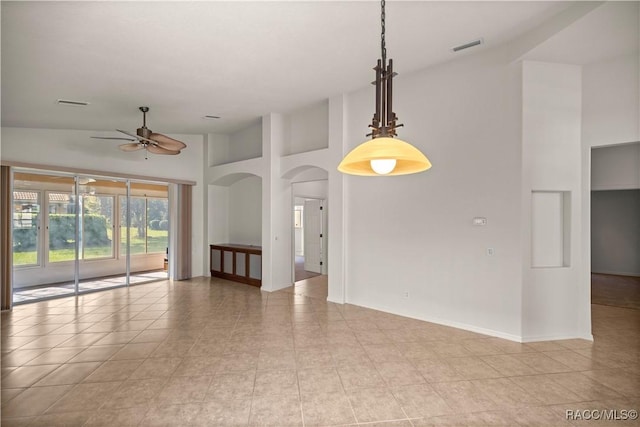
{"x": 276, "y": 209}
{"x": 337, "y": 235}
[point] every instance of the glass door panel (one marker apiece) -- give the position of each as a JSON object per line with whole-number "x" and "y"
{"x": 44, "y": 238}
{"x": 149, "y": 231}
{"x": 100, "y": 265}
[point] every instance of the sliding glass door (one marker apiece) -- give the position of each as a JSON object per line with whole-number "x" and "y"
{"x": 75, "y": 234}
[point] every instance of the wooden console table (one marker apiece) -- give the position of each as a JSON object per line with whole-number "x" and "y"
{"x": 240, "y": 263}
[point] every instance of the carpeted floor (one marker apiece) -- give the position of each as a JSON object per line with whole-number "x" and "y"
{"x": 301, "y": 273}
{"x": 617, "y": 291}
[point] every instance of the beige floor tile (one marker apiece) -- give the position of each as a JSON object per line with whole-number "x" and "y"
{"x": 17, "y": 422}
{"x": 115, "y": 338}
{"x": 437, "y": 370}
{"x": 546, "y": 390}
{"x": 48, "y": 341}
{"x": 174, "y": 415}
{"x": 374, "y": 404}
{"x": 156, "y": 367}
{"x": 26, "y": 376}
{"x": 319, "y": 381}
{"x": 85, "y": 397}
{"x": 276, "y": 383}
{"x": 584, "y": 386}
{"x": 232, "y": 385}
{"x": 508, "y": 365}
{"x": 182, "y": 390}
{"x": 96, "y": 354}
{"x": 399, "y": 373}
{"x": 276, "y": 359}
{"x": 360, "y": 376}
{"x": 118, "y": 370}
{"x": 207, "y": 348}
{"x": 33, "y": 401}
{"x": 195, "y": 366}
{"x": 541, "y": 363}
{"x": 69, "y": 419}
{"x": 574, "y": 360}
{"x": 464, "y": 396}
{"x": 55, "y": 356}
{"x": 471, "y": 368}
{"x": 418, "y": 401}
{"x": 70, "y": 373}
{"x": 226, "y": 412}
{"x": 128, "y": 417}
{"x": 313, "y": 357}
{"x": 135, "y": 351}
{"x": 275, "y": 411}
{"x": 505, "y": 393}
{"x": 617, "y": 379}
{"x": 239, "y": 361}
{"x": 324, "y": 409}
{"x": 10, "y": 393}
{"x": 151, "y": 335}
{"x": 379, "y": 353}
{"x": 21, "y": 357}
{"x": 481, "y": 347}
{"x": 135, "y": 393}
{"x": 83, "y": 340}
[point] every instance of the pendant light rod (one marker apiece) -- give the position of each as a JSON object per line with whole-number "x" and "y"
{"x": 384, "y": 119}
{"x": 384, "y": 154}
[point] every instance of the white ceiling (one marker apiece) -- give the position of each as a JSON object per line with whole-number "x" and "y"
{"x": 609, "y": 31}
{"x": 239, "y": 60}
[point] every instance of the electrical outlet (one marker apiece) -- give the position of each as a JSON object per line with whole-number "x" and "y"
{"x": 405, "y": 294}
{"x": 490, "y": 251}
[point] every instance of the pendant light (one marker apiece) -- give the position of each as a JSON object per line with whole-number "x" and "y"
{"x": 384, "y": 154}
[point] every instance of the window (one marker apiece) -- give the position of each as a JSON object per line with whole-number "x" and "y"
{"x": 149, "y": 231}
{"x": 26, "y": 222}
{"x": 62, "y": 227}
{"x": 97, "y": 226}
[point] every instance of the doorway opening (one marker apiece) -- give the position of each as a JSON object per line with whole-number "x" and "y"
{"x": 615, "y": 226}
{"x": 308, "y": 238}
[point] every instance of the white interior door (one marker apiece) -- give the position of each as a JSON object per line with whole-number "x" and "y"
{"x": 312, "y": 224}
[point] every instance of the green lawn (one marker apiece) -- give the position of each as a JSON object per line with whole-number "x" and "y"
{"x": 157, "y": 241}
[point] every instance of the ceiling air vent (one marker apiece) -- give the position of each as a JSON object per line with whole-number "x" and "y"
{"x": 211, "y": 117}
{"x": 468, "y": 45}
{"x": 74, "y": 103}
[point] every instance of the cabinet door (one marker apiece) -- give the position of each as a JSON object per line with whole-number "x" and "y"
{"x": 216, "y": 258}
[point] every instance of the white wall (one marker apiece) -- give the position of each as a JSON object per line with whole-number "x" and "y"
{"x": 240, "y": 145}
{"x": 246, "y": 143}
{"x": 611, "y": 101}
{"x": 245, "y": 211}
{"x": 615, "y": 167}
{"x": 414, "y": 233}
{"x": 311, "y": 189}
{"x": 76, "y": 149}
{"x": 306, "y": 129}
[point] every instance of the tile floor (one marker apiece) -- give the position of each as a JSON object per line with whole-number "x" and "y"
{"x": 214, "y": 353}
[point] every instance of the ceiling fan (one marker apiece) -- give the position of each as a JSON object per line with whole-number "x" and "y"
{"x": 145, "y": 139}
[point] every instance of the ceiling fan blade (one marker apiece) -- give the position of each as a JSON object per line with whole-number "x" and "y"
{"x": 112, "y": 137}
{"x": 138, "y": 137}
{"x": 131, "y": 147}
{"x": 166, "y": 142}
{"x": 159, "y": 150}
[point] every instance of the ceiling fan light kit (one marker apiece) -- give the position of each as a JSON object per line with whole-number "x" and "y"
{"x": 145, "y": 139}
{"x": 384, "y": 154}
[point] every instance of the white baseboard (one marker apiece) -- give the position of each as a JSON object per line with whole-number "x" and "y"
{"x": 537, "y": 338}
